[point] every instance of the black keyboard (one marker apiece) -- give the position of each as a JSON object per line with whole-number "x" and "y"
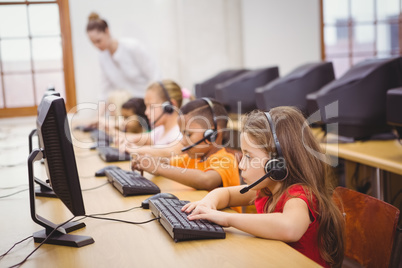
{"x": 111, "y": 154}
{"x": 178, "y": 226}
{"x": 130, "y": 182}
{"x": 101, "y": 138}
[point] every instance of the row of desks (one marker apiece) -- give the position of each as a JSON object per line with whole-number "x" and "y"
{"x": 125, "y": 245}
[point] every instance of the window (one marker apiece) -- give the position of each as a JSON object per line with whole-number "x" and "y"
{"x": 35, "y": 54}
{"x": 354, "y": 30}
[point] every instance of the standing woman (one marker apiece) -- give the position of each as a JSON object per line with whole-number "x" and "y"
{"x": 125, "y": 64}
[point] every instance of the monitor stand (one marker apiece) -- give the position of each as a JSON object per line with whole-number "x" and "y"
{"x": 59, "y": 236}
{"x": 45, "y": 189}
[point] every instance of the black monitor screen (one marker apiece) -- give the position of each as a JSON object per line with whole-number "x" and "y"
{"x": 55, "y": 138}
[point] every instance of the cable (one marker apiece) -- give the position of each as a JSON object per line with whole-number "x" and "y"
{"x": 12, "y": 187}
{"x": 108, "y": 213}
{"x": 96, "y": 187}
{"x": 86, "y": 177}
{"x": 4, "y": 254}
{"x": 4, "y": 196}
{"x": 13, "y": 165}
{"x": 130, "y": 222}
{"x": 47, "y": 237}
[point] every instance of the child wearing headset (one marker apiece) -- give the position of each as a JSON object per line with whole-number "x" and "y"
{"x": 288, "y": 183}
{"x": 133, "y": 111}
{"x": 162, "y": 100}
{"x": 205, "y": 165}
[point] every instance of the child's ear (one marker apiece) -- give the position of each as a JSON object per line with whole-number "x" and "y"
{"x": 174, "y": 102}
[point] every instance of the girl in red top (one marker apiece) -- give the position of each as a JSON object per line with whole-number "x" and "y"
{"x": 289, "y": 185}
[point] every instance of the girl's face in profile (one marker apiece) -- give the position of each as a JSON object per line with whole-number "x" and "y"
{"x": 253, "y": 161}
{"x": 154, "y": 110}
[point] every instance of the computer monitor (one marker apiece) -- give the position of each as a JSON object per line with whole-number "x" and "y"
{"x": 394, "y": 109}
{"x": 237, "y": 94}
{"x": 57, "y": 151}
{"x": 44, "y": 189}
{"x": 291, "y": 89}
{"x": 207, "y": 88}
{"x": 356, "y": 102}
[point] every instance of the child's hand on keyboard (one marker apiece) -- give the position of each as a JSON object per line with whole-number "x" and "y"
{"x": 206, "y": 213}
{"x": 150, "y": 164}
{"x": 190, "y": 207}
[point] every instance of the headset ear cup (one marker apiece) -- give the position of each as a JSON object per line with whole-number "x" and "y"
{"x": 167, "y": 107}
{"x": 279, "y": 172}
{"x": 209, "y": 135}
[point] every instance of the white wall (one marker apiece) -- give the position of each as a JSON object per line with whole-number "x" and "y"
{"x": 192, "y": 39}
{"x": 283, "y": 33}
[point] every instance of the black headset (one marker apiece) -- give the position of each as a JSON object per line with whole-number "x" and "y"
{"x": 209, "y": 134}
{"x": 275, "y": 168}
{"x": 168, "y": 107}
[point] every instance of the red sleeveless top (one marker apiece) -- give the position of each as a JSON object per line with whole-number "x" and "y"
{"x": 307, "y": 244}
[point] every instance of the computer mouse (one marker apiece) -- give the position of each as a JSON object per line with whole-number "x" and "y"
{"x": 101, "y": 172}
{"x": 145, "y": 203}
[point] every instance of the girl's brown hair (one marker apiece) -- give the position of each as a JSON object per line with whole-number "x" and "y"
{"x": 307, "y": 166}
{"x": 172, "y": 88}
{"x": 96, "y": 23}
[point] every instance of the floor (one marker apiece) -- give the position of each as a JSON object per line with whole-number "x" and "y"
{"x": 14, "y": 152}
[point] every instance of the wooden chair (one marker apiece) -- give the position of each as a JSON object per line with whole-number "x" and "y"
{"x": 370, "y": 228}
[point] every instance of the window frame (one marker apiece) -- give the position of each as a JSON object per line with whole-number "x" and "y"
{"x": 68, "y": 63}
{"x": 350, "y": 24}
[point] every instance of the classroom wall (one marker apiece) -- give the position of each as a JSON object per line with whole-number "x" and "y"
{"x": 193, "y": 40}
{"x": 283, "y": 33}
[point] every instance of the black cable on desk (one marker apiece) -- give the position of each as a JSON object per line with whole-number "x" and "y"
{"x": 20, "y": 191}
{"x": 12, "y": 187}
{"x": 96, "y": 187}
{"x": 13, "y": 165}
{"x": 47, "y": 237}
{"x": 124, "y": 221}
{"x": 112, "y": 212}
{"x": 4, "y": 254}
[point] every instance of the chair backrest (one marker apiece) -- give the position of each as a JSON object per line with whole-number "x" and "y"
{"x": 370, "y": 227}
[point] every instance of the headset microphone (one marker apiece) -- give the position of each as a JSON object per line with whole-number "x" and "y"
{"x": 247, "y": 188}
{"x": 194, "y": 144}
{"x": 157, "y": 119}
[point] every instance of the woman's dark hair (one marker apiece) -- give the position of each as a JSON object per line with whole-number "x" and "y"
{"x": 138, "y": 107}
{"x": 96, "y": 23}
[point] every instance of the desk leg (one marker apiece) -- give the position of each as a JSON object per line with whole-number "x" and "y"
{"x": 378, "y": 184}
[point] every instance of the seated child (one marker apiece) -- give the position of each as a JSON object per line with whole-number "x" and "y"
{"x": 135, "y": 120}
{"x": 205, "y": 165}
{"x": 162, "y": 100}
{"x": 287, "y": 173}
